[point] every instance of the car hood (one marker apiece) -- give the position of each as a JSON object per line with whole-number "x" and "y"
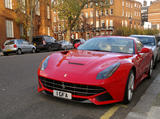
{"x": 75, "y": 64}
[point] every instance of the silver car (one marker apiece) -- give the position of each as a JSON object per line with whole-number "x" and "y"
{"x": 18, "y": 46}
{"x": 150, "y": 41}
{"x": 65, "y": 44}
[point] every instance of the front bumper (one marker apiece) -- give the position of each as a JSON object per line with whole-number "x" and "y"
{"x": 98, "y": 97}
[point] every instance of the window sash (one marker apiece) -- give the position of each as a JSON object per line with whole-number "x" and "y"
{"x": 9, "y": 29}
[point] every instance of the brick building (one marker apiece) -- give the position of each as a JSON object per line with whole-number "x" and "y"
{"x": 103, "y": 22}
{"x": 11, "y": 22}
{"x": 154, "y": 14}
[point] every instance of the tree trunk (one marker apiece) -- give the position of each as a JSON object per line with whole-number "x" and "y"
{"x": 68, "y": 35}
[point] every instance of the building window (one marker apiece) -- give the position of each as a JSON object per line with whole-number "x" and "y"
{"x": 97, "y": 13}
{"x": 122, "y": 23}
{"x": 111, "y": 23}
{"x": 48, "y": 12}
{"x": 123, "y": 3}
{"x": 91, "y": 14}
{"x": 102, "y": 13}
{"x": 126, "y": 23}
{"x": 8, "y": 4}
{"x": 97, "y": 24}
{"x": 91, "y": 4}
{"x": 37, "y": 8}
{"x": 21, "y": 30}
{"x": 106, "y": 23}
{"x": 86, "y": 14}
{"x": 111, "y": 11}
{"x": 111, "y": 2}
{"x": 122, "y": 12}
{"x": 55, "y": 19}
{"x": 106, "y": 12}
{"x": 9, "y": 29}
{"x": 49, "y": 31}
{"x": 102, "y": 24}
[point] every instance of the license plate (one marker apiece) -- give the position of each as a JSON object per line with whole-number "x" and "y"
{"x": 62, "y": 94}
{"x": 8, "y": 50}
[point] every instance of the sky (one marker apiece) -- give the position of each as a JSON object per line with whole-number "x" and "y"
{"x": 148, "y": 1}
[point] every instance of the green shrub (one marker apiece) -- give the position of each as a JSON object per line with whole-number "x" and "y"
{"x": 126, "y": 31}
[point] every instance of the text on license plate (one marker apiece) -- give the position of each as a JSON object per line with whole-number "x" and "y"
{"x": 62, "y": 94}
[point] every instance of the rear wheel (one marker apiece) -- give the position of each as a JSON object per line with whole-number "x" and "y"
{"x": 129, "y": 88}
{"x": 19, "y": 51}
{"x": 33, "y": 50}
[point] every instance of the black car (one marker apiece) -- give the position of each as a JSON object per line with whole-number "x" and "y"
{"x": 46, "y": 43}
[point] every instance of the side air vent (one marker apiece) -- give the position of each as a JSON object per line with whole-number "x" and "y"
{"x": 75, "y": 63}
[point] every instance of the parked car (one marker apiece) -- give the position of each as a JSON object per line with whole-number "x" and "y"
{"x": 46, "y": 43}
{"x": 77, "y": 42}
{"x": 18, "y": 46}
{"x": 152, "y": 43}
{"x": 103, "y": 70}
{"x": 65, "y": 44}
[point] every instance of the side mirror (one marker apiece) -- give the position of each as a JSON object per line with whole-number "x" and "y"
{"x": 76, "y": 45}
{"x": 144, "y": 50}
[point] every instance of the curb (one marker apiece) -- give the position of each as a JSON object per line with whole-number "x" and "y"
{"x": 147, "y": 107}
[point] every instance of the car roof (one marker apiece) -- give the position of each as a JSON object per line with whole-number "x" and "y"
{"x": 142, "y": 35}
{"x": 116, "y": 37}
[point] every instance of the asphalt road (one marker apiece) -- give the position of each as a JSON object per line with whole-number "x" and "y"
{"x": 19, "y": 98}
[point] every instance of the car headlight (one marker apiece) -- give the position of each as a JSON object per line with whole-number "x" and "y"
{"x": 45, "y": 63}
{"x": 106, "y": 73}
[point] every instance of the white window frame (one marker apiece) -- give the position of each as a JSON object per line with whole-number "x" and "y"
{"x": 111, "y": 23}
{"x": 37, "y": 8}
{"x": 8, "y": 4}
{"x": 48, "y": 12}
{"x": 9, "y": 29}
{"x": 111, "y": 2}
{"x": 91, "y": 14}
{"x": 48, "y": 28}
{"x": 86, "y": 14}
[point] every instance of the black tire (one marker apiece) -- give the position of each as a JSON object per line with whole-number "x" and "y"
{"x": 50, "y": 48}
{"x": 127, "y": 99}
{"x": 33, "y": 50}
{"x": 150, "y": 69}
{"x": 155, "y": 63}
{"x": 19, "y": 51}
{"x": 5, "y": 54}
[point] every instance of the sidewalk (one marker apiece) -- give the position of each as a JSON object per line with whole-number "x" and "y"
{"x": 148, "y": 106}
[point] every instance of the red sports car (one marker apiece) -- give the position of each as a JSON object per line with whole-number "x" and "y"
{"x": 103, "y": 70}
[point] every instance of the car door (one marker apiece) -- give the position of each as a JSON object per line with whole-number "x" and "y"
{"x": 141, "y": 60}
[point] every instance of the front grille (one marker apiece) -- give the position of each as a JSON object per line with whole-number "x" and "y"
{"x": 75, "y": 89}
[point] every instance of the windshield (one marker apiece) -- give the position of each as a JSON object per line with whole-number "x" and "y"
{"x": 118, "y": 45}
{"x": 149, "y": 41}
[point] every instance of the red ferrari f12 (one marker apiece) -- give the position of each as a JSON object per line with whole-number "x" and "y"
{"x": 103, "y": 70}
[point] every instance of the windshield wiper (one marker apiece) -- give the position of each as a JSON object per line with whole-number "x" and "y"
{"x": 99, "y": 50}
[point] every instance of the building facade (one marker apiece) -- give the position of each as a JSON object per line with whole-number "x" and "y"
{"x": 121, "y": 13}
{"x": 154, "y": 14}
{"x": 144, "y": 12}
{"x": 12, "y": 22}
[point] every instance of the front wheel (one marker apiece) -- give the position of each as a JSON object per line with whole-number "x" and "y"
{"x": 19, "y": 51}
{"x": 129, "y": 88}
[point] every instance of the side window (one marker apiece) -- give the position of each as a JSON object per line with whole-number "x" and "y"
{"x": 139, "y": 46}
{"x": 19, "y": 42}
{"x": 47, "y": 39}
